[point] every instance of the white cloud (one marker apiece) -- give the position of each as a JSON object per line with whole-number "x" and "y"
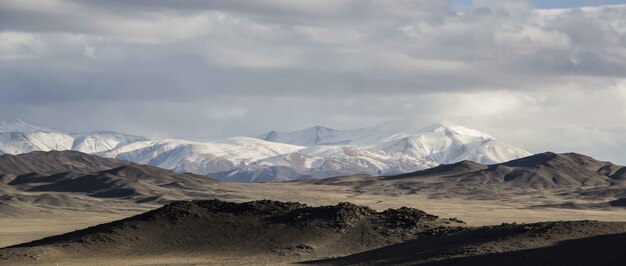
{"x": 19, "y": 45}
{"x": 529, "y": 39}
{"x": 331, "y": 36}
{"x": 71, "y": 17}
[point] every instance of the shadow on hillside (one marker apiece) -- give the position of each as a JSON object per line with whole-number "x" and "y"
{"x": 599, "y": 250}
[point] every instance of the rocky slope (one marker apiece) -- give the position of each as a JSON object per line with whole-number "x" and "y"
{"x": 70, "y": 179}
{"x": 55, "y": 162}
{"x": 548, "y": 243}
{"x": 258, "y": 228}
{"x": 566, "y": 177}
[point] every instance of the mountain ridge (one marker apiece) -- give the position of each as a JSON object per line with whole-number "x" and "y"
{"x": 569, "y": 174}
{"x": 53, "y": 173}
{"x": 388, "y": 148}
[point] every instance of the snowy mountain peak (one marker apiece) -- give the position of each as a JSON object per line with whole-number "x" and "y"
{"x": 369, "y": 136}
{"x": 452, "y": 128}
{"x": 19, "y": 125}
{"x": 441, "y": 142}
{"x": 18, "y": 136}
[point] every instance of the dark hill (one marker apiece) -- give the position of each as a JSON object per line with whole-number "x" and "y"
{"x": 540, "y": 171}
{"x": 456, "y": 168}
{"x": 54, "y": 173}
{"x": 549, "y": 243}
{"x": 55, "y": 162}
{"x": 546, "y": 179}
{"x": 137, "y": 182}
{"x": 252, "y": 228}
{"x": 545, "y": 171}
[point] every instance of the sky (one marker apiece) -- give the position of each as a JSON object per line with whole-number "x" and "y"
{"x": 550, "y": 4}
{"x": 541, "y": 75}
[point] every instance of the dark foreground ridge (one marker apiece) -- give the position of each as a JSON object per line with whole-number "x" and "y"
{"x": 266, "y": 228}
{"x": 548, "y": 243}
{"x": 343, "y": 234}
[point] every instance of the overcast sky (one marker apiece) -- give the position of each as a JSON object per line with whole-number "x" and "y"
{"x": 542, "y": 75}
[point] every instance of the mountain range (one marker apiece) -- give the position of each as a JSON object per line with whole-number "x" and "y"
{"x": 388, "y": 148}
{"x": 46, "y": 179}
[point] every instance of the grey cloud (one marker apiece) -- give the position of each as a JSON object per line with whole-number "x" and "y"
{"x": 221, "y": 68}
{"x": 98, "y": 17}
{"x": 305, "y": 11}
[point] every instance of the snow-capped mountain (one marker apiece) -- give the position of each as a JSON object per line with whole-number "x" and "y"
{"x": 17, "y": 136}
{"x": 20, "y": 125}
{"x": 324, "y": 161}
{"x": 387, "y": 148}
{"x": 369, "y": 136}
{"x": 207, "y": 158}
{"x": 440, "y": 143}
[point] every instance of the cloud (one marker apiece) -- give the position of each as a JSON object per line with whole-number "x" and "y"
{"x": 72, "y": 17}
{"x": 217, "y": 68}
{"x": 19, "y": 45}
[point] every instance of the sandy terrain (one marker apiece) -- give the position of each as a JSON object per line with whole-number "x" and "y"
{"x": 15, "y": 230}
